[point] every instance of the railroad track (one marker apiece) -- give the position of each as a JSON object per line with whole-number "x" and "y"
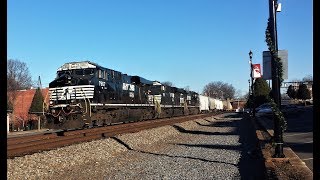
{"x": 23, "y": 145}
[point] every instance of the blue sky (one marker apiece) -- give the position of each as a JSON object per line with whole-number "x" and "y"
{"x": 187, "y": 42}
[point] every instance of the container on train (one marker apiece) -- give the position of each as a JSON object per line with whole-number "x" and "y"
{"x": 203, "y": 103}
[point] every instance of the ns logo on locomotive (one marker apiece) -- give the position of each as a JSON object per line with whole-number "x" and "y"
{"x": 85, "y": 94}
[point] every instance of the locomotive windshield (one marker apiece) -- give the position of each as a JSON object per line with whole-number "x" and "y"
{"x": 78, "y": 72}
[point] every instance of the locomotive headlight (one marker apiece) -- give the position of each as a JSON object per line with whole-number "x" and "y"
{"x": 51, "y": 102}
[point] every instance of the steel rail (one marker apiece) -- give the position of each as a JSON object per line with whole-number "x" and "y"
{"x": 23, "y": 145}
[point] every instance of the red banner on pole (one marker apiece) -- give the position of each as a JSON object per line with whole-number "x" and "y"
{"x": 256, "y": 70}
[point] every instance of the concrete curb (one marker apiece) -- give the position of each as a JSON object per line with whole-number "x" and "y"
{"x": 264, "y": 135}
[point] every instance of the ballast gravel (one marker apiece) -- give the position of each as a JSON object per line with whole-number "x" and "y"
{"x": 209, "y": 148}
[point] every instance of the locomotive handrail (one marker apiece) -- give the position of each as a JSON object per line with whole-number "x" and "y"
{"x": 82, "y": 92}
{"x": 85, "y": 102}
{"x": 56, "y": 115}
{"x": 68, "y": 112}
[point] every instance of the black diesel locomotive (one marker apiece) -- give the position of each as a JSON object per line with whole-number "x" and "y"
{"x": 86, "y": 94}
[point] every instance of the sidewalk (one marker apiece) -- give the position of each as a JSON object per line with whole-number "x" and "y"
{"x": 279, "y": 167}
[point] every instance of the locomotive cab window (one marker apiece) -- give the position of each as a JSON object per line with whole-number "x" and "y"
{"x": 59, "y": 73}
{"x": 88, "y": 72}
{"x": 78, "y": 72}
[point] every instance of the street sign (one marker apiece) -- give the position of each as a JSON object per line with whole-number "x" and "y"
{"x": 283, "y": 54}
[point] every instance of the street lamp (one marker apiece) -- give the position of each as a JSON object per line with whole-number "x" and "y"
{"x": 249, "y": 87}
{"x": 249, "y": 97}
{"x": 252, "y": 91}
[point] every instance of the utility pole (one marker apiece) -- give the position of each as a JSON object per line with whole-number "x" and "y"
{"x": 278, "y": 136}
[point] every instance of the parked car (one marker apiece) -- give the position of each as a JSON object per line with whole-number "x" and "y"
{"x": 242, "y": 110}
{"x": 264, "y": 110}
{"x": 263, "y": 106}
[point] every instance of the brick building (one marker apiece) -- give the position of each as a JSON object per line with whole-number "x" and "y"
{"x": 20, "y": 116}
{"x": 238, "y": 104}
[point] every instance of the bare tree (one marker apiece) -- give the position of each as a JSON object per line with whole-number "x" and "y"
{"x": 238, "y": 94}
{"x": 187, "y": 88}
{"x": 245, "y": 96}
{"x": 308, "y": 78}
{"x": 167, "y": 83}
{"x": 219, "y": 90}
{"x": 18, "y": 77}
{"x": 296, "y": 80}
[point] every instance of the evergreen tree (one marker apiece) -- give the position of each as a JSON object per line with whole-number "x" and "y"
{"x": 292, "y": 93}
{"x": 303, "y": 92}
{"x": 37, "y": 102}
{"x": 261, "y": 91}
{"x": 249, "y": 102}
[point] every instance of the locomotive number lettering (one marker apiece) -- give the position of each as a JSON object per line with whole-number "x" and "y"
{"x": 102, "y": 83}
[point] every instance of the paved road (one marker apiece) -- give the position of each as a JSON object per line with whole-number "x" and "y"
{"x": 299, "y": 134}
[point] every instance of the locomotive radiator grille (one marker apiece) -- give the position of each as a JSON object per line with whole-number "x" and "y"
{"x": 71, "y": 92}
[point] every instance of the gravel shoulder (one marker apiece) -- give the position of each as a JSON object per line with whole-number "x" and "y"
{"x": 220, "y": 147}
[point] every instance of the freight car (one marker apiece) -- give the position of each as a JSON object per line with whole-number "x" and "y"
{"x": 85, "y": 94}
{"x": 215, "y": 104}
